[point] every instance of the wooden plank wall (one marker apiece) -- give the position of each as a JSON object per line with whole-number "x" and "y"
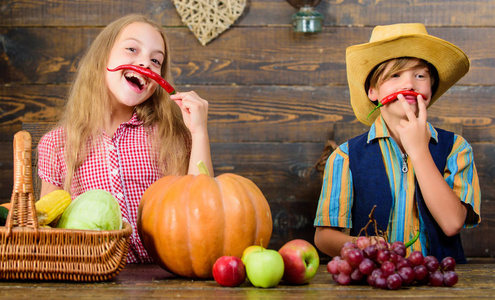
{"x": 274, "y": 95}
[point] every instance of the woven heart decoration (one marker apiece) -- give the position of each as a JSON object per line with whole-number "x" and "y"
{"x": 207, "y": 19}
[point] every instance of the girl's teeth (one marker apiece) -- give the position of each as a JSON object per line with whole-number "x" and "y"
{"x": 136, "y": 79}
{"x": 142, "y": 80}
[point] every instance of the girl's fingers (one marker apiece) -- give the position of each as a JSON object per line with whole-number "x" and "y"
{"x": 188, "y": 101}
{"x": 191, "y": 95}
{"x": 194, "y": 110}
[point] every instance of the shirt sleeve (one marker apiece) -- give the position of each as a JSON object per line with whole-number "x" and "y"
{"x": 50, "y": 156}
{"x": 334, "y": 206}
{"x": 461, "y": 175}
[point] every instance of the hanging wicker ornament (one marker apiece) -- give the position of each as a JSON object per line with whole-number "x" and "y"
{"x": 207, "y": 19}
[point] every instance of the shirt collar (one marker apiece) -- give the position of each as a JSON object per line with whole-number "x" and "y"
{"x": 134, "y": 121}
{"x": 379, "y": 130}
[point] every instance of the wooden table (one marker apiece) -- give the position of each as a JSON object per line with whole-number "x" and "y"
{"x": 149, "y": 281}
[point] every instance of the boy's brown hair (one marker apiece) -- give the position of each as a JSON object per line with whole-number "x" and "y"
{"x": 378, "y": 75}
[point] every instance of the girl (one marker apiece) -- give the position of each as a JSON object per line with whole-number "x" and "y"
{"x": 120, "y": 131}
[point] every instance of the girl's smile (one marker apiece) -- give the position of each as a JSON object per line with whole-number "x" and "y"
{"x": 136, "y": 81}
{"x": 138, "y": 44}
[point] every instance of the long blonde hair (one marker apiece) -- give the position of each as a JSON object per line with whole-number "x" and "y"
{"x": 87, "y": 106}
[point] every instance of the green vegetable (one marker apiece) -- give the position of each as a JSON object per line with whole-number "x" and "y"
{"x": 409, "y": 244}
{"x": 93, "y": 210}
{"x": 4, "y": 212}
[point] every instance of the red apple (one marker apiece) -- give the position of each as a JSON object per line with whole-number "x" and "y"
{"x": 229, "y": 271}
{"x": 301, "y": 261}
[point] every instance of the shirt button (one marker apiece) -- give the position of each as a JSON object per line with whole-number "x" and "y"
{"x": 120, "y": 196}
{"x": 115, "y": 172}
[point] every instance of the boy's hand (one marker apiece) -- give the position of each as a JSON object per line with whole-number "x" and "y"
{"x": 413, "y": 132}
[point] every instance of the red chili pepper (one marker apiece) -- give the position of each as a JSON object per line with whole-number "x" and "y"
{"x": 392, "y": 97}
{"x": 148, "y": 73}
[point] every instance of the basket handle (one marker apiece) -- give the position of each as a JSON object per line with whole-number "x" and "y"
{"x": 23, "y": 209}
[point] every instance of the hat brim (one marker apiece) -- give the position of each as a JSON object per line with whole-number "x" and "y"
{"x": 450, "y": 61}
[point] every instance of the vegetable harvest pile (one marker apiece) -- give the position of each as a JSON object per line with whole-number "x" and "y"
{"x": 92, "y": 210}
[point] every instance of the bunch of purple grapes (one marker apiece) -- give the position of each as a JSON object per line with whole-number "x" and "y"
{"x": 384, "y": 265}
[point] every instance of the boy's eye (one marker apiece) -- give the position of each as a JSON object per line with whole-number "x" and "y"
{"x": 423, "y": 75}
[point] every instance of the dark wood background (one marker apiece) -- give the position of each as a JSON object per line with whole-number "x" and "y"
{"x": 275, "y": 96}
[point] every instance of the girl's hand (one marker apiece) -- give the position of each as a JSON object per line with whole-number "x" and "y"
{"x": 414, "y": 133}
{"x": 195, "y": 114}
{"x": 194, "y": 111}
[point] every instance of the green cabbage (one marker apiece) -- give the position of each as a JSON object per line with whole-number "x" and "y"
{"x": 94, "y": 210}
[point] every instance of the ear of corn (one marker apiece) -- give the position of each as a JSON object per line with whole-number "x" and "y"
{"x": 51, "y": 206}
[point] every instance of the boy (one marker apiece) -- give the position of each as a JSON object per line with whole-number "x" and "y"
{"x": 420, "y": 178}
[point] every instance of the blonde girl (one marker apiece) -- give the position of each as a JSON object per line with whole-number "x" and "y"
{"x": 120, "y": 131}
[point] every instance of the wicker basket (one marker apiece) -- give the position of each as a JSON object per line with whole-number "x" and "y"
{"x": 28, "y": 251}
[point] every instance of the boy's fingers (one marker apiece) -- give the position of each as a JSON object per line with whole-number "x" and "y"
{"x": 409, "y": 113}
{"x": 422, "y": 109}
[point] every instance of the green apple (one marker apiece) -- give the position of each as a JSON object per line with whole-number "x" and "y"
{"x": 249, "y": 250}
{"x": 264, "y": 268}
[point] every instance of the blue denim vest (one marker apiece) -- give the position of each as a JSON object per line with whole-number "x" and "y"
{"x": 371, "y": 187}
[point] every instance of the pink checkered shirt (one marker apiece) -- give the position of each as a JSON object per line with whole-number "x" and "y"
{"x": 121, "y": 165}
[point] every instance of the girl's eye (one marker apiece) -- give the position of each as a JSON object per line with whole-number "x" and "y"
{"x": 395, "y": 75}
{"x": 131, "y": 49}
{"x": 156, "y": 61}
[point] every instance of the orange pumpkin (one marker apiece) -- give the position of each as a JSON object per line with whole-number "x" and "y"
{"x": 187, "y": 222}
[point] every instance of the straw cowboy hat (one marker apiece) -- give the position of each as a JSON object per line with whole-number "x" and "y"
{"x": 394, "y": 41}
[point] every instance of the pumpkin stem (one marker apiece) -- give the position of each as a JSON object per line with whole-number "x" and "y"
{"x": 202, "y": 168}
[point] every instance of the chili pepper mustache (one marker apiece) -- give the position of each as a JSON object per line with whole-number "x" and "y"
{"x": 392, "y": 97}
{"x": 148, "y": 73}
